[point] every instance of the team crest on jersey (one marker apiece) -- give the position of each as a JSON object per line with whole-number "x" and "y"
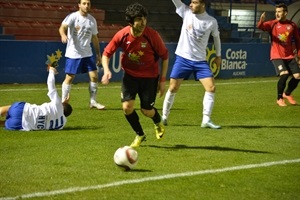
{"x": 143, "y": 44}
{"x": 77, "y": 28}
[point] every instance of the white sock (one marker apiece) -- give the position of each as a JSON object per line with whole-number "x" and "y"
{"x": 168, "y": 103}
{"x": 208, "y": 104}
{"x": 93, "y": 88}
{"x": 65, "y": 90}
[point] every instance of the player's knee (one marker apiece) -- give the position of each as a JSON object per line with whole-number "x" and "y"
{"x": 69, "y": 79}
{"x": 147, "y": 113}
{"x": 173, "y": 88}
{"x": 296, "y": 76}
{"x": 211, "y": 88}
{"x": 127, "y": 108}
{"x": 283, "y": 73}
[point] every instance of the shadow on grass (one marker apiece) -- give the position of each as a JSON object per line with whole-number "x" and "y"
{"x": 213, "y": 148}
{"x": 138, "y": 170}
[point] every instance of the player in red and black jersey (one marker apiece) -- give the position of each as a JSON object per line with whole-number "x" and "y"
{"x": 142, "y": 49}
{"x": 283, "y": 32}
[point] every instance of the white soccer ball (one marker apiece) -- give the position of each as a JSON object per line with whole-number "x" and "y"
{"x": 126, "y": 157}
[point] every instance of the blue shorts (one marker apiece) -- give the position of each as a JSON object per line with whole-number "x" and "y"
{"x": 183, "y": 68}
{"x": 80, "y": 65}
{"x": 14, "y": 116}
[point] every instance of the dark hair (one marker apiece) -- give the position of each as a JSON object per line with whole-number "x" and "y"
{"x": 203, "y": 1}
{"x": 135, "y": 10}
{"x": 282, "y": 5}
{"x": 67, "y": 109}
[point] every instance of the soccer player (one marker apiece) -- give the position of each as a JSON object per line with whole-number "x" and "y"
{"x": 78, "y": 30}
{"x": 191, "y": 57}
{"x": 48, "y": 116}
{"x": 142, "y": 50}
{"x": 285, "y": 61}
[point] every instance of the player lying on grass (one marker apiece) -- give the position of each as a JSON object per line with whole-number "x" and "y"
{"x": 48, "y": 116}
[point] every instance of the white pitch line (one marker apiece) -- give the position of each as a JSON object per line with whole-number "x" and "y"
{"x": 108, "y": 86}
{"x": 153, "y": 178}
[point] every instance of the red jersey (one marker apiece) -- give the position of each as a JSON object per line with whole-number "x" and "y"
{"x": 282, "y": 34}
{"x": 140, "y": 54}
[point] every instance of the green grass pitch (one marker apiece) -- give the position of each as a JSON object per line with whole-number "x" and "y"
{"x": 256, "y": 154}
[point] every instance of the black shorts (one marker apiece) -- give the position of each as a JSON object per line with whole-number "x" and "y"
{"x": 282, "y": 65}
{"x": 146, "y": 88}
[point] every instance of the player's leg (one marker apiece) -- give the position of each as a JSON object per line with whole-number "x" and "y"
{"x": 281, "y": 70}
{"x": 182, "y": 68}
{"x": 71, "y": 68}
{"x": 170, "y": 98}
{"x": 3, "y": 112}
{"x": 129, "y": 90}
{"x": 93, "y": 86}
{"x": 147, "y": 94}
{"x": 205, "y": 76}
{"x": 293, "y": 83}
{"x": 208, "y": 103}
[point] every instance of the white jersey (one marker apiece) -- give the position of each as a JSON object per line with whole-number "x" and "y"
{"x": 80, "y": 31}
{"x": 195, "y": 32}
{"x": 48, "y": 116}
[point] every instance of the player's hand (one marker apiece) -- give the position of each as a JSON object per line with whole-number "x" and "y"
{"x": 52, "y": 69}
{"x": 105, "y": 78}
{"x": 263, "y": 17}
{"x": 161, "y": 88}
{"x": 64, "y": 39}
{"x": 99, "y": 60}
{"x": 217, "y": 61}
{"x": 67, "y": 99}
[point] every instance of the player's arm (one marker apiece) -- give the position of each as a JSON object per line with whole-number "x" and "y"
{"x": 108, "y": 52}
{"x": 177, "y": 3}
{"x": 52, "y": 92}
{"x": 296, "y": 36}
{"x": 163, "y": 75}
{"x": 63, "y": 31}
{"x": 95, "y": 42}
{"x": 217, "y": 42}
{"x": 261, "y": 23}
{"x": 107, "y": 73}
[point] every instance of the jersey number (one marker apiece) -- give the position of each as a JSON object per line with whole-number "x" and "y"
{"x": 56, "y": 124}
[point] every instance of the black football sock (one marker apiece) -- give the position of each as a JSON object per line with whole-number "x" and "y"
{"x": 281, "y": 85}
{"x": 292, "y": 85}
{"x": 135, "y": 124}
{"x": 156, "y": 118}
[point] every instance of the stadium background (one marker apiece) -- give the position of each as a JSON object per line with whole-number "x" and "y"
{"x": 29, "y": 33}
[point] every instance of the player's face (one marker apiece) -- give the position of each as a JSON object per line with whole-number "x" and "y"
{"x": 84, "y": 6}
{"x": 139, "y": 25}
{"x": 280, "y": 14}
{"x": 197, "y": 6}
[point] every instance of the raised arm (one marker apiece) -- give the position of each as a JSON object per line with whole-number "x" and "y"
{"x": 177, "y": 3}
{"x": 52, "y": 92}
